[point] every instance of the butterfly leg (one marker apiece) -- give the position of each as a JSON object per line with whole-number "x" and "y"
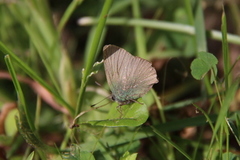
{"x": 119, "y": 109}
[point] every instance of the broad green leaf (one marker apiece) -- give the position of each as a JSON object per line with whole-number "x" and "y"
{"x": 229, "y": 156}
{"x": 209, "y": 58}
{"x": 128, "y": 156}
{"x": 127, "y": 115}
{"x": 86, "y": 155}
{"x": 203, "y": 64}
{"x": 199, "y": 68}
{"x": 9, "y": 123}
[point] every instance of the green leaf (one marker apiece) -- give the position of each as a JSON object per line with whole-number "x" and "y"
{"x": 127, "y": 115}
{"x": 128, "y": 156}
{"x": 86, "y": 155}
{"x": 229, "y": 156}
{"x": 9, "y": 123}
{"x": 209, "y": 58}
{"x": 30, "y": 156}
{"x": 76, "y": 153}
{"x": 199, "y": 68}
{"x": 203, "y": 64}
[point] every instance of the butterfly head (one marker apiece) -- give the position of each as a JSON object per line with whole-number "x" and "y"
{"x": 122, "y": 102}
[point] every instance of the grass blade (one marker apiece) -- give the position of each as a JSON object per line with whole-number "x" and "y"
{"x": 91, "y": 55}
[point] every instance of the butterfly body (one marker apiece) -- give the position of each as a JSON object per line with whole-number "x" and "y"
{"x": 128, "y": 77}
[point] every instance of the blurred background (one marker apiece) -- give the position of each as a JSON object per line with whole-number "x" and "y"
{"x": 53, "y": 38}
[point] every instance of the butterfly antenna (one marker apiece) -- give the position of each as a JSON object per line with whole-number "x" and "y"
{"x": 98, "y": 83}
{"x": 137, "y": 102}
{"x": 73, "y": 125}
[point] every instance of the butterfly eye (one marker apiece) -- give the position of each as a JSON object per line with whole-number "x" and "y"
{"x": 113, "y": 98}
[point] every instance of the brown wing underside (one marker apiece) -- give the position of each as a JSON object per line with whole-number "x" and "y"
{"x": 128, "y": 77}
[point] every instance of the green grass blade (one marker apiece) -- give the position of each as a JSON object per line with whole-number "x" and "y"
{"x": 172, "y": 143}
{"x": 139, "y": 31}
{"x": 199, "y": 26}
{"x": 91, "y": 55}
{"x": 30, "y": 156}
{"x": 118, "y": 6}
{"x": 25, "y": 123}
{"x": 73, "y": 5}
{"x": 188, "y": 9}
{"x": 42, "y": 34}
{"x": 224, "y": 108}
{"x": 34, "y": 76}
{"x": 21, "y": 100}
{"x": 206, "y": 115}
{"x": 226, "y": 56}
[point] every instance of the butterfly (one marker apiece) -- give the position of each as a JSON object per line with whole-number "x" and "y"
{"x": 129, "y": 77}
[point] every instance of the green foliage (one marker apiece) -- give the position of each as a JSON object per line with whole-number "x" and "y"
{"x": 203, "y": 64}
{"x": 127, "y": 115}
{"x": 48, "y": 68}
{"x": 76, "y": 153}
{"x": 128, "y": 156}
{"x": 30, "y": 157}
{"x": 234, "y": 129}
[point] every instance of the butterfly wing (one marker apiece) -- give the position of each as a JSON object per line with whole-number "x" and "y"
{"x": 128, "y": 77}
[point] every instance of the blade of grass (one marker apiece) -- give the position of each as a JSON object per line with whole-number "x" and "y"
{"x": 170, "y": 152}
{"x": 199, "y": 26}
{"x": 189, "y": 12}
{"x": 206, "y": 115}
{"x": 188, "y": 8}
{"x": 43, "y": 37}
{"x": 21, "y": 100}
{"x": 184, "y": 103}
{"x": 235, "y": 12}
{"x": 40, "y": 21}
{"x": 119, "y": 6}
{"x": 226, "y": 56}
{"x": 224, "y": 110}
{"x": 39, "y": 25}
{"x": 90, "y": 57}
{"x": 73, "y": 5}
{"x": 34, "y": 76}
{"x": 171, "y": 142}
{"x": 25, "y": 123}
{"x": 139, "y": 32}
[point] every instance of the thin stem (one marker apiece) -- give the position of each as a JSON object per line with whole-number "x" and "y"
{"x": 92, "y": 52}
{"x": 161, "y": 25}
